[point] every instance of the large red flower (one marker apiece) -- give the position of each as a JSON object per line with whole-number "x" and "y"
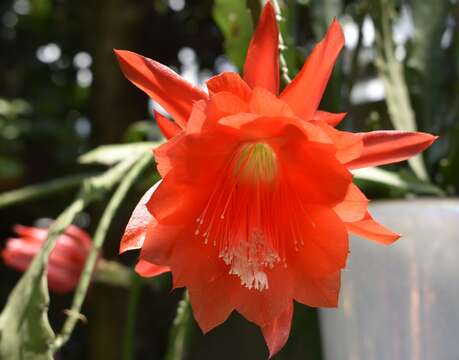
{"x": 257, "y": 199}
{"x": 66, "y": 261}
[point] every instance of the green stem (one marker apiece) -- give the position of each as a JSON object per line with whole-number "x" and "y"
{"x": 41, "y": 190}
{"x": 133, "y": 302}
{"x": 99, "y": 237}
{"x": 181, "y": 331}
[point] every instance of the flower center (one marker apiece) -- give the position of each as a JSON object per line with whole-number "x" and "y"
{"x": 256, "y": 162}
{"x": 238, "y": 218}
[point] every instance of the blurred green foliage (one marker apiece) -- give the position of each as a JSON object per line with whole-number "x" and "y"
{"x": 61, "y": 94}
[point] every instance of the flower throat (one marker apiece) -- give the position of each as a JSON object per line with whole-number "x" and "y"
{"x": 237, "y": 218}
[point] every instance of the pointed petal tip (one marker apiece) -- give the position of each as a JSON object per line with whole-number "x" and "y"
{"x": 168, "y": 127}
{"x": 147, "y": 269}
{"x": 277, "y": 332}
{"x": 261, "y": 67}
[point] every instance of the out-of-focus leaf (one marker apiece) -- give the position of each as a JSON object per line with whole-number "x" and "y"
{"x": 426, "y": 59}
{"x": 10, "y": 168}
{"x": 235, "y": 22}
{"x": 40, "y": 190}
{"x": 112, "y": 154}
{"x": 25, "y": 312}
{"x": 25, "y": 332}
{"x": 323, "y": 12}
{"x": 391, "y": 72}
{"x": 397, "y": 180}
{"x": 181, "y": 331}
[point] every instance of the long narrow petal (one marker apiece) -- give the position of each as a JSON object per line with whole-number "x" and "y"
{"x": 386, "y": 147}
{"x": 134, "y": 235}
{"x": 304, "y": 93}
{"x": 168, "y": 128}
{"x": 332, "y": 119}
{"x": 276, "y": 333}
{"x": 147, "y": 269}
{"x": 370, "y": 229}
{"x": 171, "y": 91}
{"x": 261, "y": 66}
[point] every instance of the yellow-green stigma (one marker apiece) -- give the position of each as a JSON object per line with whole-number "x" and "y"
{"x": 257, "y": 162}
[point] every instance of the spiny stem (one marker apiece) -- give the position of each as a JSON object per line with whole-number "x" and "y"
{"x": 282, "y": 44}
{"x": 99, "y": 237}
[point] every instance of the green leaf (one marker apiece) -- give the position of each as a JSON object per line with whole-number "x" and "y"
{"x": 40, "y": 190}
{"x": 393, "y": 77}
{"x": 426, "y": 57}
{"x": 235, "y": 22}
{"x": 400, "y": 181}
{"x": 181, "y": 331}
{"x": 25, "y": 312}
{"x": 112, "y": 154}
{"x": 25, "y": 332}
{"x": 323, "y": 12}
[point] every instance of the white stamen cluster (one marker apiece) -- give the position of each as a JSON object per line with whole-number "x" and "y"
{"x": 248, "y": 260}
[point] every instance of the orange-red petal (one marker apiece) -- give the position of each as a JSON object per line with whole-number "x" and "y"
{"x": 318, "y": 292}
{"x": 349, "y": 146}
{"x": 325, "y": 245}
{"x": 168, "y": 128}
{"x": 305, "y": 92}
{"x": 386, "y": 147}
{"x": 170, "y": 90}
{"x": 229, "y": 82}
{"x": 332, "y": 119}
{"x": 276, "y": 333}
{"x": 214, "y": 302}
{"x": 265, "y": 103}
{"x": 370, "y": 229}
{"x": 134, "y": 234}
{"x": 261, "y": 66}
{"x": 354, "y": 206}
{"x": 148, "y": 269}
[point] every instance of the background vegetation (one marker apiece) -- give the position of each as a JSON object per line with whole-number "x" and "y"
{"x": 62, "y": 93}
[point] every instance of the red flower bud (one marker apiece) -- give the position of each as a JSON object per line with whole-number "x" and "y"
{"x": 65, "y": 262}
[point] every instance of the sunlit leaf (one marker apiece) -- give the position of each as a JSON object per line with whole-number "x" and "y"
{"x": 235, "y": 22}
{"x": 392, "y": 74}
{"x": 112, "y": 154}
{"x": 396, "y": 180}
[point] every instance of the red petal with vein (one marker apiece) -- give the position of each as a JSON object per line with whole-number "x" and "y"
{"x": 331, "y": 119}
{"x": 276, "y": 333}
{"x": 386, "y": 147}
{"x": 349, "y": 146}
{"x": 305, "y": 92}
{"x": 318, "y": 292}
{"x": 370, "y": 229}
{"x": 147, "y": 269}
{"x": 229, "y": 82}
{"x": 170, "y": 90}
{"x": 134, "y": 235}
{"x": 214, "y": 302}
{"x": 354, "y": 206}
{"x": 261, "y": 66}
{"x": 168, "y": 128}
